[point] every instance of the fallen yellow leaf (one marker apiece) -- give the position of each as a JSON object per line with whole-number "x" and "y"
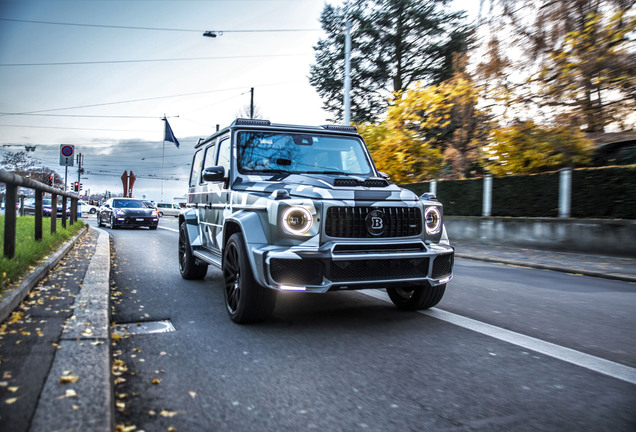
{"x": 67, "y": 379}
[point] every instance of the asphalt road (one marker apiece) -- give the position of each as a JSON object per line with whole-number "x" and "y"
{"x": 507, "y": 349}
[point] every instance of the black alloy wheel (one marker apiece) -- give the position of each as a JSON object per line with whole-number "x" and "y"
{"x": 246, "y": 301}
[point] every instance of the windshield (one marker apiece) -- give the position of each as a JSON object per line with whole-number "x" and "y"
{"x": 128, "y": 204}
{"x": 262, "y": 152}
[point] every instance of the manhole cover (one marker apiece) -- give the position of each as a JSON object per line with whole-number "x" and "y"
{"x": 144, "y": 327}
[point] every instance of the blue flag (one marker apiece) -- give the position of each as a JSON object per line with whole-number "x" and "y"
{"x": 168, "y": 135}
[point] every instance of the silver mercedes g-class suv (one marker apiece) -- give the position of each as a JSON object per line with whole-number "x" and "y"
{"x": 301, "y": 208}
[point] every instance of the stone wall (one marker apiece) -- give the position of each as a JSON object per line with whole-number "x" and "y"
{"x": 615, "y": 237}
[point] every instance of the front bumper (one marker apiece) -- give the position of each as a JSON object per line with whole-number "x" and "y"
{"x": 136, "y": 221}
{"x": 353, "y": 266}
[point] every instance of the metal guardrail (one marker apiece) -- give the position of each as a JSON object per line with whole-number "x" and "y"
{"x": 12, "y": 182}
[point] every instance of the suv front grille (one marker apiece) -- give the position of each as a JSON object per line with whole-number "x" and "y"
{"x": 351, "y": 222}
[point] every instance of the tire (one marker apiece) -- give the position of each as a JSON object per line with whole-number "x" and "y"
{"x": 245, "y": 300}
{"x": 417, "y": 298}
{"x": 93, "y": 211}
{"x": 188, "y": 267}
{"x": 153, "y": 227}
{"x": 99, "y": 221}
{"x": 112, "y": 222}
{"x": 160, "y": 214}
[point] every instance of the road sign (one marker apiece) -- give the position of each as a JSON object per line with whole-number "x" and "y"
{"x": 66, "y": 154}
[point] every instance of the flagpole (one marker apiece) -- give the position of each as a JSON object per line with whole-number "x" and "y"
{"x": 163, "y": 154}
{"x": 168, "y": 135}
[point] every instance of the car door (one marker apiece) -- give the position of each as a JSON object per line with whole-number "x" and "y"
{"x": 221, "y": 197}
{"x": 205, "y": 211}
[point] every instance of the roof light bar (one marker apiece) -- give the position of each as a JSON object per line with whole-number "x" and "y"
{"x": 256, "y": 122}
{"x": 342, "y": 128}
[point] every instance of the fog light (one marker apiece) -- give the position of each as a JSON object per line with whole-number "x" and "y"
{"x": 292, "y": 288}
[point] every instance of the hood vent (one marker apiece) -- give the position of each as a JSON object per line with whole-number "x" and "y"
{"x": 370, "y": 182}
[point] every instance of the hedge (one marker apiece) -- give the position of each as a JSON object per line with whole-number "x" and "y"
{"x": 605, "y": 193}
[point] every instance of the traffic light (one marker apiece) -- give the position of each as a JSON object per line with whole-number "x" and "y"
{"x": 50, "y": 180}
{"x": 76, "y": 187}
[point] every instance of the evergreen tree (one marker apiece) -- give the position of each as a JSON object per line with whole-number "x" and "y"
{"x": 395, "y": 43}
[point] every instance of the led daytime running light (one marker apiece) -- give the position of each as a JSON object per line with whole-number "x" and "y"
{"x": 432, "y": 220}
{"x": 297, "y": 220}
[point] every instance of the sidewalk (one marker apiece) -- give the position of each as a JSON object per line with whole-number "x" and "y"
{"x": 602, "y": 266}
{"x": 55, "y": 372}
{"x": 61, "y": 376}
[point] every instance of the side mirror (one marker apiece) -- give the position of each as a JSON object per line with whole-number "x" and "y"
{"x": 214, "y": 174}
{"x": 385, "y": 176}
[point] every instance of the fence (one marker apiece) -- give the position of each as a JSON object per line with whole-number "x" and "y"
{"x": 602, "y": 193}
{"x": 12, "y": 182}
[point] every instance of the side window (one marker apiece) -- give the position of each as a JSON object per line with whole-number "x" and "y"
{"x": 195, "y": 174}
{"x": 224, "y": 156}
{"x": 210, "y": 156}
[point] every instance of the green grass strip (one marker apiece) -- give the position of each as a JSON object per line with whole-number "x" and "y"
{"x": 28, "y": 252}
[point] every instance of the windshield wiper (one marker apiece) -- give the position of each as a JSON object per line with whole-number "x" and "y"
{"x": 330, "y": 172}
{"x": 272, "y": 171}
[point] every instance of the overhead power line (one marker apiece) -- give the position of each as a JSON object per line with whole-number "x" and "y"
{"x": 97, "y": 62}
{"x": 40, "y": 112}
{"x": 156, "y": 28}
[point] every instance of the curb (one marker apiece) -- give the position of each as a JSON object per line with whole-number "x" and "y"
{"x": 12, "y": 299}
{"x": 85, "y": 350}
{"x": 571, "y": 270}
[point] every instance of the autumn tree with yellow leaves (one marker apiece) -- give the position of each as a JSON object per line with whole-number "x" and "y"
{"x": 528, "y": 148}
{"x": 431, "y": 131}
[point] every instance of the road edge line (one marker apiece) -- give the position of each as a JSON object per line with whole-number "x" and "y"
{"x": 568, "y": 355}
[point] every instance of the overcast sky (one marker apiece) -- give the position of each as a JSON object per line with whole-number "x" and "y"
{"x": 102, "y": 86}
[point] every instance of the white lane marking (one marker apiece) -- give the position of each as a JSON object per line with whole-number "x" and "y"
{"x": 596, "y": 364}
{"x": 170, "y": 229}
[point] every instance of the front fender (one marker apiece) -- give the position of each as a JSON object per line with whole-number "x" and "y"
{"x": 250, "y": 224}
{"x": 189, "y": 217}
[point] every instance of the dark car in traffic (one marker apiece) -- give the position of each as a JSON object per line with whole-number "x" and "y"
{"x": 29, "y": 207}
{"x": 126, "y": 212}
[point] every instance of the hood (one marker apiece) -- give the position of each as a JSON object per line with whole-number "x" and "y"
{"x": 137, "y": 211}
{"x": 326, "y": 187}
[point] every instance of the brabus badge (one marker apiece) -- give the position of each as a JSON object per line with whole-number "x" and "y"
{"x": 375, "y": 223}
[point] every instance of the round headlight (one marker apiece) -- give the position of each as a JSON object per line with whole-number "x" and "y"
{"x": 297, "y": 220}
{"x": 433, "y": 220}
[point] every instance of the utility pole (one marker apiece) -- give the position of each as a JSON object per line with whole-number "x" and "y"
{"x": 347, "y": 77}
{"x": 252, "y": 103}
{"x": 80, "y": 160}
